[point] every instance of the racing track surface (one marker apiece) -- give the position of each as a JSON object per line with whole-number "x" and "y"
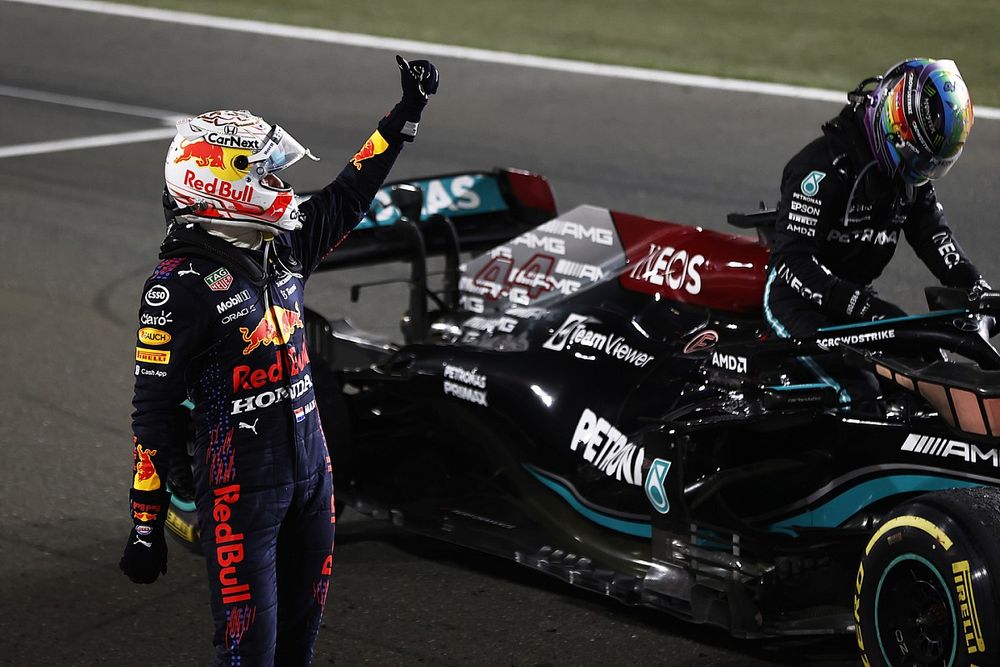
{"x": 80, "y": 230}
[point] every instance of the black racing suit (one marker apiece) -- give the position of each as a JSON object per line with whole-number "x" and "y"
{"x": 838, "y": 223}
{"x": 223, "y": 327}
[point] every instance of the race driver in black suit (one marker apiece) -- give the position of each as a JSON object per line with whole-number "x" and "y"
{"x": 848, "y": 196}
{"x": 220, "y": 325}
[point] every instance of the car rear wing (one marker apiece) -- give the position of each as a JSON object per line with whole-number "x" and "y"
{"x": 481, "y": 209}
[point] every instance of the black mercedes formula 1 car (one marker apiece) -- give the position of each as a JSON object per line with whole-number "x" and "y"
{"x": 595, "y": 395}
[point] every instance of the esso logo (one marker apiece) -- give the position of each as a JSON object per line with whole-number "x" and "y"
{"x": 157, "y": 295}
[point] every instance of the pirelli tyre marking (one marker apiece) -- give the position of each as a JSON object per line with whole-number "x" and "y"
{"x": 915, "y": 600}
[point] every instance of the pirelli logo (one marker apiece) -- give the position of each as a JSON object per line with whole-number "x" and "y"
{"x": 974, "y": 642}
{"x": 148, "y": 356}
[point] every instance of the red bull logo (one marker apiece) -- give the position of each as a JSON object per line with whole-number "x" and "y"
{"x": 275, "y": 328}
{"x": 203, "y": 153}
{"x": 223, "y": 189}
{"x": 375, "y": 145}
{"x": 285, "y": 362}
{"x": 146, "y": 478}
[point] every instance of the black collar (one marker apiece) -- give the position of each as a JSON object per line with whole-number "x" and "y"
{"x": 185, "y": 239}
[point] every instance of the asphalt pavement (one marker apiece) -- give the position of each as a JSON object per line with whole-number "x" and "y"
{"x": 80, "y": 231}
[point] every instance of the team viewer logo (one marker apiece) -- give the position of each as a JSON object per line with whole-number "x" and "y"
{"x": 219, "y": 281}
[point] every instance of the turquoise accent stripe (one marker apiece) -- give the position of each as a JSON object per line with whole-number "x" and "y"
{"x": 187, "y": 404}
{"x": 798, "y": 387}
{"x": 771, "y": 319}
{"x": 454, "y": 196}
{"x": 817, "y": 370}
{"x": 834, "y": 512}
{"x": 622, "y": 526}
{"x": 907, "y": 318}
{"x": 184, "y": 506}
{"x": 944, "y": 587}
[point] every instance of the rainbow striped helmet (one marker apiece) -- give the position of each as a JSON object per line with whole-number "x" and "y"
{"x": 918, "y": 118}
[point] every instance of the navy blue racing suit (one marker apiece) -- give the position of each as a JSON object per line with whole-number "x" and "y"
{"x": 223, "y": 327}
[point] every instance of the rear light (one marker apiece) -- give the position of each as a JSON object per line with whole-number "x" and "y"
{"x": 531, "y": 190}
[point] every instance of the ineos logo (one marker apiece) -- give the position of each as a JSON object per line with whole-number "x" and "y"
{"x": 157, "y": 295}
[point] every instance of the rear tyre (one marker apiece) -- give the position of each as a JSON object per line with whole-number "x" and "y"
{"x": 926, "y": 591}
{"x": 182, "y": 515}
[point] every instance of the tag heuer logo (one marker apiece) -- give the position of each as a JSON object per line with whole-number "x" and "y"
{"x": 219, "y": 281}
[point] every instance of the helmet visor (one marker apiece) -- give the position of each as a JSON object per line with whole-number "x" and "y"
{"x": 280, "y": 150}
{"x": 920, "y": 167}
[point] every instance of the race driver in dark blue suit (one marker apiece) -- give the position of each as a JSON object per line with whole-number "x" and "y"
{"x": 220, "y": 324}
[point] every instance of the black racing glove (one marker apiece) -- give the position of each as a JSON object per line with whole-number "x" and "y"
{"x": 145, "y": 556}
{"x": 869, "y": 307}
{"x": 419, "y": 79}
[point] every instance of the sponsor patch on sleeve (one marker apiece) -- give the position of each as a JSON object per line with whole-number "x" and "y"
{"x": 376, "y": 145}
{"x": 810, "y": 184}
{"x": 148, "y": 356}
{"x": 153, "y": 336}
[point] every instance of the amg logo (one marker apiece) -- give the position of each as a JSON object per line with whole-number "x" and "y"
{"x": 550, "y": 244}
{"x": 579, "y": 270}
{"x": 598, "y": 235}
{"x": 970, "y": 453}
{"x": 854, "y": 339}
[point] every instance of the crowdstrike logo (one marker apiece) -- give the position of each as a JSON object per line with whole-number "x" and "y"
{"x": 854, "y": 339}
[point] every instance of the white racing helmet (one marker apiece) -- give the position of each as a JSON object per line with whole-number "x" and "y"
{"x": 221, "y": 168}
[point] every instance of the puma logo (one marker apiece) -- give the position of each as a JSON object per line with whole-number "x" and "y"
{"x": 250, "y": 427}
{"x": 148, "y": 545}
{"x": 188, "y": 270}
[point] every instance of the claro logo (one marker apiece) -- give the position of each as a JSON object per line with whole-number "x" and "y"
{"x": 671, "y": 268}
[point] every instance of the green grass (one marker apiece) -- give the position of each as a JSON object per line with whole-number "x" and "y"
{"x": 826, "y": 44}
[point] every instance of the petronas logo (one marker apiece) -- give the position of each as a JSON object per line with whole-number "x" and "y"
{"x": 810, "y": 184}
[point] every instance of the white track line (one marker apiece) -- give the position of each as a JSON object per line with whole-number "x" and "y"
{"x": 87, "y": 103}
{"x": 98, "y": 141}
{"x": 464, "y": 53}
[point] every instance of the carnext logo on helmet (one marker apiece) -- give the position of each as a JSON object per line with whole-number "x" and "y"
{"x": 810, "y": 184}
